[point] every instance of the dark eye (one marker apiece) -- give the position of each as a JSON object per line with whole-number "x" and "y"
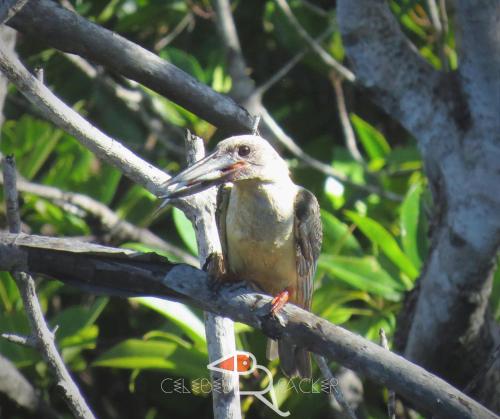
{"x": 243, "y": 150}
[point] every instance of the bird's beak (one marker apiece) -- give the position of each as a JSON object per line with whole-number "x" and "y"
{"x": 212, "y": 170}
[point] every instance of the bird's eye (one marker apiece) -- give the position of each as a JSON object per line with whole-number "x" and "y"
{"x": 243, "y": 150}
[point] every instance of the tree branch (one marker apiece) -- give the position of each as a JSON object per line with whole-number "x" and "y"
{"x": 69, "y": 32}
{"x": 117, "y": 227}
{"x": 15, "y": 386}
{"x": 123, "y": 272}
{"x": 400, "y": 81}
{"x": 67, "y": 119}
{"x": 42, "y": 335}
{"x": 219, "y": 330}
{"x": 341, "y": 71}
{"x": 480, "y": 61}
{"x": 9, "y": 8}
{"x": 246, "y": 92}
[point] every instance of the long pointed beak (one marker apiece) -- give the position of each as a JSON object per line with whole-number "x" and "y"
{"x": 210, "y": 171}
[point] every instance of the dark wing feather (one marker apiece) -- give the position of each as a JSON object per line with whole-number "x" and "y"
{"x": 223, "y": 194}
{"x": 308, "y": 238}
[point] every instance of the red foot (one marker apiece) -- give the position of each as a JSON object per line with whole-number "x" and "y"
{"x": 279, "y": 301}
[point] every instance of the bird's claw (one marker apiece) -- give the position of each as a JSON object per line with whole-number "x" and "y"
{"x": 279, "y": 301}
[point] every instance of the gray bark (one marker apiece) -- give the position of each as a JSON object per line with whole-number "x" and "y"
{"x": 454, "y": 118}
{"x": 124, "y": 272}
{"x": 65, "y": 30}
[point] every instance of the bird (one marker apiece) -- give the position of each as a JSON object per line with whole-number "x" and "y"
{"x": 270, "y": 228}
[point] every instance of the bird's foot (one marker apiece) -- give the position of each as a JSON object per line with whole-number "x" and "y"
{"x": 279, "y": 301}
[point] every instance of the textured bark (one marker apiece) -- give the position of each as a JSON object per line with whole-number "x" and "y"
{"x": 124, "y": 272}
{"x": 454, "y": 118}
{"x": 65, "y": 30}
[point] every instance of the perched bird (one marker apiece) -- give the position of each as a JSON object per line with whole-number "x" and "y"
{"x": 270, "y": 228}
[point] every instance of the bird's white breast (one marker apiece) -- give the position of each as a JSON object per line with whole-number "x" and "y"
{"x": 260, "y": 237}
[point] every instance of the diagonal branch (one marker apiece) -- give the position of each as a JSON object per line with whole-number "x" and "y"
{"x": 247, "y": 93}
{"x": 47, "y": 21}
{"x": 119, "y": 272}
{"x": 67, "y": 119}
{"x": 118, "y": 228}
{"x": 341, "y": 71}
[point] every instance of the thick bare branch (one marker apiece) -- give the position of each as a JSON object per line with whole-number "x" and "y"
{"x": 399, "y": 79}
{"x": 67, "y": 31}
{"x": 120, "y": 272}
{"x": 479, "y": 67}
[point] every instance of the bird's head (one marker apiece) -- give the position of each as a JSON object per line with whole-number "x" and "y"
{"x": 235, "y": 159}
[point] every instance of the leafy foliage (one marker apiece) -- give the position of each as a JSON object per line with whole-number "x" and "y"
{"x": 373, "y": 250}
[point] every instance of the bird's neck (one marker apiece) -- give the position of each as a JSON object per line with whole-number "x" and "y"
{"x": 271, "y": 199}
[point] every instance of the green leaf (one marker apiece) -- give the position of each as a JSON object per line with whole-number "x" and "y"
{"x": 364, "y": 274}
{"x": 152, "y": 354}
{"x": 338, "y": 237}
{"x": 75, "y": 318}
{"x": 378, "y": 235}
{"x": 410, "y": 214}
{"x": 374, "y": 143}
{"x": 181, "y": 315}
{"x": 185, "y": 230}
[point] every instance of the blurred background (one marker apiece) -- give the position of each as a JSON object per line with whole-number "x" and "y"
{"x": 130, "y": 356}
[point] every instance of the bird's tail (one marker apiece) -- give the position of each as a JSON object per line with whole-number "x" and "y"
{"x": 294, "y": 360}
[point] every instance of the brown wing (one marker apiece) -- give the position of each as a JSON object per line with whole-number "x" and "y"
{"x": 308, "y": 238}
{"x": 223, "y": 194}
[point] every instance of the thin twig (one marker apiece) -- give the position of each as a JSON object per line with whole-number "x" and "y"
{"x": 137, "y": 101}
{"x": 42, "y": 335}
{"x": 490, "y": 362}
{"x": 324, "y": 168}
{"x": 335, "y": 387}
{"x": 342, "y": 71}
{"x": 391, "y": 400}
{"x": 283, "y": 71}
{"x": 9, "y": 8}
{"x": 20, "y": 340}
{"x": 349, "y": 136}
{"x": 316, "y": 9}
{"x": 166, "y": 40}
{"x": 118, "y": 228}
{"x": 437, "y": 25}
{"x": 255, "y": 128}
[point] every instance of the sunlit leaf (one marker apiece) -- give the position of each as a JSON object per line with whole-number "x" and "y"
{"x": 379, "y": 236}
{"x": 364, "y": 274}
{"x": 180, "y": 314}
{"x": 374, "y": 143}
{"x": 140, "y": 354}
{"x": 410, "y": 213}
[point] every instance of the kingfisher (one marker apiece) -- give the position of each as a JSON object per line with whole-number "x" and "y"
{"x": 269, "y": 227}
